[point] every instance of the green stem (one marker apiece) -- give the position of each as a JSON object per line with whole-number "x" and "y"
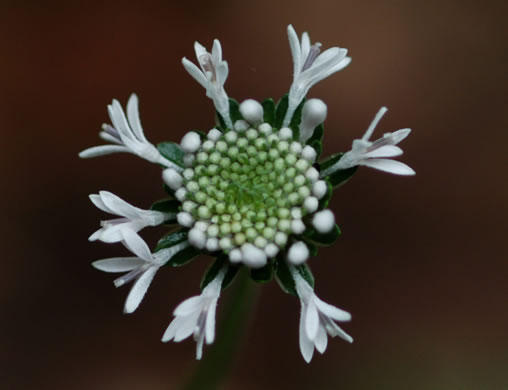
{"x": 217, "y": 359}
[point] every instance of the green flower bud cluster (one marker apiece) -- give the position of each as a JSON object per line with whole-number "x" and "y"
{"x": 248, "y": 187}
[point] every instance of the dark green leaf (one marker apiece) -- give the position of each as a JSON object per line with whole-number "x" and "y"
{"x": 171, "y": 239}
{"x": 317, "y": 135}
{"x": 280, "y": 111}
{"x": 168, "y": 190}
{"x": 337, "y": 178}
{"x": 219, "y": 122}
{"x": 166, "y": 206}
{"x": 318, "y": 147}
{"x": 313, "y": 249}
{"x": 214, "y": 269}
{"x": 171, "y": 151}
{"x": 286, "y": 281}
{"x": 230, "y": 275}
{"x": 283, "y": 276}
{"x": 184, "y": 256}
{"x": 263, "y": 274}
{"x": 234, "y": 110}
{"x": 296, "y": 119}
{"x": 306, "y": 273}
{"x": 322, "y": 239}
{"x": 269, "y": 111}
{"x": 323, "y": 202}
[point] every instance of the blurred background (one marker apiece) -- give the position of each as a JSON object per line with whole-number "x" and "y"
{"x": 422, "y": 264}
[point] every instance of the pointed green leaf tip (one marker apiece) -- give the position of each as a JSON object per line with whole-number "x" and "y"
{"x": 339, "y": 177}
{"x": 171, "y": 151}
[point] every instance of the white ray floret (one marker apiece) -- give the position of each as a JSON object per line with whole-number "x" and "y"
{"x": 309, "y": 67}
{"x": 196, "y": 316}
{"x": 212, "y": 76}
{"x": 127, "y": 136}
{"x": 141, "y": 268}
{"x": 376, "y": 154}
{"x": 134, "y": 219}
{"x": 317, "y": 319}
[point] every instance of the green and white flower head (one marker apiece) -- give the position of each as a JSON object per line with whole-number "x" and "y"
{"x": 251, "y": 193}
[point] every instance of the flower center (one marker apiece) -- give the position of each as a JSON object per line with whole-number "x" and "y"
{"x": 248, "y": 187}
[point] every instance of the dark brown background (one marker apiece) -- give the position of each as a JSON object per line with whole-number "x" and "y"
{"x": 422, "y": 264}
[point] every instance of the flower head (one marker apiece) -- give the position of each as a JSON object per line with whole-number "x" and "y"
{"x": 310, "y": 66}
{"x": 127, "y": 135}
{"x": 134, "y": 219}
{"x": 251, "y": 192}
{"x": 196, "y": 316}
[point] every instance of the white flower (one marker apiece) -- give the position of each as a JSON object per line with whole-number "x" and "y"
{"x": 374, "y": 154}
{"x": 196, "y": 316}
{"x": 134, "y": 219}
{"x": 127, "y": 136}
{"x": 143, "y": 267}
{"x": 310, "y": 67}
{"x": 317, "y": 319}
{"x": 212, "y": 76}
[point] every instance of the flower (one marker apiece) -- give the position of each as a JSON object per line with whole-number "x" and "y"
{"x": 134, "y": 219}
{"x": 212, "y": 76}
{"x": 374, "y": 154}
{"x": 196, "y": 316}
{"x": 142, "y": 268}
{"x": 317, "y": 319}
{"x": 252, "y": 192}
{"x": 310, "y": 67}
{"x": 127, "y": 135}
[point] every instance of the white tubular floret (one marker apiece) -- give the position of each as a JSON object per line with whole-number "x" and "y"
{"x": 191, "y": 142}
{"x": 252, "y": 111}
{"x": 172, "y": 178}
{"x": 313, "y": 113}
{"x": 323, "y": 221}
{"x": 298, "y": 253}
